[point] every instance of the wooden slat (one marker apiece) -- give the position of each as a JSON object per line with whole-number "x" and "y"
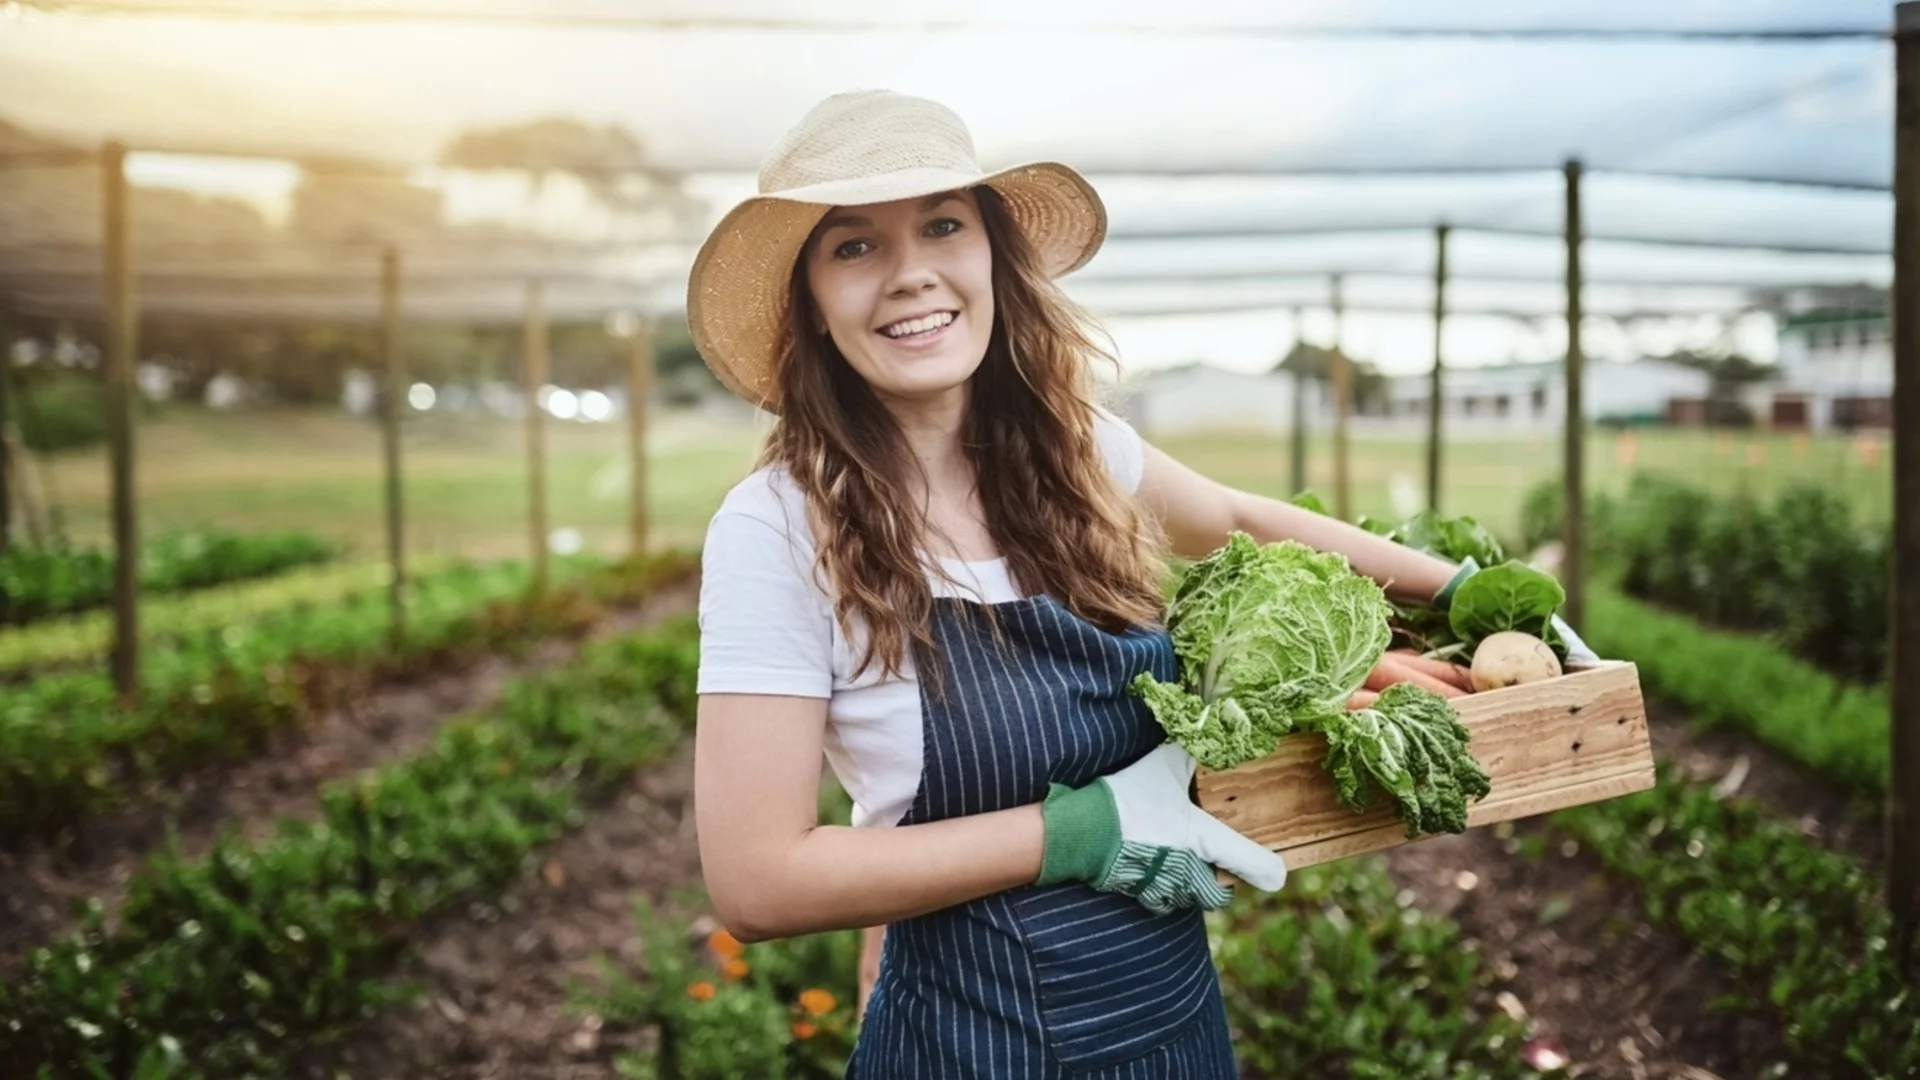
{"x": 1572, "y": 740}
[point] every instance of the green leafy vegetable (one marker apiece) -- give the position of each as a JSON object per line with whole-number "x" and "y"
{"x": 1455, "y": 539}
{"x": 1311, "y": 500}
{"x": 1504, "y": 595}
{"x": 1268, "y": 637}
{"x": 1412, "y": 745}
{"x": 1512, "y": 596}
{"x": 1274, "y": 639}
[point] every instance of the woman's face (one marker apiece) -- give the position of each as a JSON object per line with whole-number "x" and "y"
{"x": 906, "y": 291}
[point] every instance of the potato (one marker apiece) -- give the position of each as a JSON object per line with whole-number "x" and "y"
{"x": 1511, "y": 658}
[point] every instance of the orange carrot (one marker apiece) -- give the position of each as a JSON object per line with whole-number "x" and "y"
{"x": 1391, "y": 670}
{"x": 1456, "y": 674}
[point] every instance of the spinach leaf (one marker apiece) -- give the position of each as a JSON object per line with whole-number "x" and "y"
{"x": 1511, "y": 596}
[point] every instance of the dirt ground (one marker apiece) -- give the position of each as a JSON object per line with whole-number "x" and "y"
{"x": 496, "y": 977}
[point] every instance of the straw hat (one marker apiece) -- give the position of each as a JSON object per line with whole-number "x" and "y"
{"x": 867, "y": 146}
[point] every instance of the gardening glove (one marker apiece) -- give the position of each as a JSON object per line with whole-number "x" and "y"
{"x": 1577, "y": 650}
{"x": 1136, "y": 832}
{"x": 1443, "y": 599}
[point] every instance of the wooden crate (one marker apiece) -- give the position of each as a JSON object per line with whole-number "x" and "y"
{"x": 1576, "y": 739}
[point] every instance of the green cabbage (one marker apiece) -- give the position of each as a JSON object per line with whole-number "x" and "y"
{"x": 1412, "y": 745}
{"x": 1273, "y": 639}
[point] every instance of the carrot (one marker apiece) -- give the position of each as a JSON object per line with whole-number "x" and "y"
{"x": 1362, "y": 699}
{"x": 1383, "y": 675}
{"x": 1456, "y": 674}
{"x": 1391, "y": 670}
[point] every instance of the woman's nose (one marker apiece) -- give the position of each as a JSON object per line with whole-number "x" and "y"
{"x": 912, "y": 273}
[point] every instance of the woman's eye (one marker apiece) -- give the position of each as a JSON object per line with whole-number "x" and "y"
{"x": 850, "y": 249}
{"x": 945, "y": 227}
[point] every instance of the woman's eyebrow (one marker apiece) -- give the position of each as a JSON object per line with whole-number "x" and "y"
{"x": 841, "y": 220}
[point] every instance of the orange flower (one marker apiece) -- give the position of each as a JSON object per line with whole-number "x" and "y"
{"x": 725, "y": 945}
{"x": 803, "y": 1029}
{"x": 734, "y": 969}
{"x": 701, "y": 991}
{"x": 817, "y": 1002}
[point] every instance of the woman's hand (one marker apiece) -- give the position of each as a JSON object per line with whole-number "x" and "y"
{"x": 1137, "y": 832}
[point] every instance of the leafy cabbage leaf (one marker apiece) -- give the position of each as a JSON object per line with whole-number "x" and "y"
{"x": 1411, "y": 746}
{"x": 1271, "y": 638}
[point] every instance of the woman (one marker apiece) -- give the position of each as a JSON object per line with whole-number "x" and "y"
{"x": 943, "y": 574}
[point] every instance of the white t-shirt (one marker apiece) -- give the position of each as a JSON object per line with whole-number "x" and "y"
{"x": 767, "y": 627}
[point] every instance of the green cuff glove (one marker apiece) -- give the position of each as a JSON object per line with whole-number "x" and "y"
{"x": 1443, "y": 599}
{"x": 1136, "y": 832}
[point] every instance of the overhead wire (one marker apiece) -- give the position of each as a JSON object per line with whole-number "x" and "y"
{"x": 582, "y": 20}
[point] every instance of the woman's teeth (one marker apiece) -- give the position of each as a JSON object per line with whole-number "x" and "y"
{"x": 922, "y": 325}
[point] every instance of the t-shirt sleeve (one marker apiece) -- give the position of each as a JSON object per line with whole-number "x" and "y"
{"x": 765, "y": 628}
{"x": 1124, "y": 450}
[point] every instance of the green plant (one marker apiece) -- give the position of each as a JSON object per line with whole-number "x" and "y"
{"x": 168, "y": 621}
{"x": 64, "y": 410}
{"x": 1804, "y": 927}
{"x": 1337, "y": 976}
{"x": 1745, "y": 683}
{"x": 1799, "y": 570}
{"x": 1505, "y": 595}
{"x": 224, "y": 963}
{"x": 721, "y": 1009}
{"x": 37, "y": 583}
{"x": 67, "y": 748}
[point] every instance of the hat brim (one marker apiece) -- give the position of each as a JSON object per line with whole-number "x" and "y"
{"x": 737, "y": 292}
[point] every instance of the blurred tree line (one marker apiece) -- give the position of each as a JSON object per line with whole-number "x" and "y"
{"x": 56, "y": 398}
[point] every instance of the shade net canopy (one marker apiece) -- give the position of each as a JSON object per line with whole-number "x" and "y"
{"x": 1248, "y": 152}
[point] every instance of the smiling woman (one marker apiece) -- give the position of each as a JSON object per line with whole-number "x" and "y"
{"x": 943, "y": 574}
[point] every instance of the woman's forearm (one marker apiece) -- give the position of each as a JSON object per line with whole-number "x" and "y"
{"x": 838, "y": 877}
{"x": 1408, "y": 576}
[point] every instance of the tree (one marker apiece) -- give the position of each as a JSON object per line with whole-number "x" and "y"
{"x": 1314, "y": 362}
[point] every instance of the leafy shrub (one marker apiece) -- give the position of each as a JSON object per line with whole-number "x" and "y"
{"x": 1800, "y": 570}
{"x": 37, "y": 583}
{"x": 67, "y": 411}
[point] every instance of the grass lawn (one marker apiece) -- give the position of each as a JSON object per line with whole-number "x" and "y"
{"x": 466, "y": 487}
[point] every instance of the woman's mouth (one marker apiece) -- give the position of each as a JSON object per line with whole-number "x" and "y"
{"x": 920, "y": 329}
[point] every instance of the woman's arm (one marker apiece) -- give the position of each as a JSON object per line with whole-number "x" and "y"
{"x": 1198, "y": 513}
{"x": 774, "y": 871}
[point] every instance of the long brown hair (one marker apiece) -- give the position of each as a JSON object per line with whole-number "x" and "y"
{"x": 1051, "y": 507}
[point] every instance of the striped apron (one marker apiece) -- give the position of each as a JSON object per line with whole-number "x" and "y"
{"x": 1039, "y": 983}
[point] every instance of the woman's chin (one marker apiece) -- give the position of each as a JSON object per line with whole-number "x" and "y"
{"x": 927, "y": 380}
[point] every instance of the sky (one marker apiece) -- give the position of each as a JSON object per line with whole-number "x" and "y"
{"x": 1118, "y": 88}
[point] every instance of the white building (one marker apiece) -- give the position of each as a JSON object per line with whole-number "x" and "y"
{"x": 1201, "y": 397}
{"x": 1836, "y": 371}
{"x": 1532, "y": 396}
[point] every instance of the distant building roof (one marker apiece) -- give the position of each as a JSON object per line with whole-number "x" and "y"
{"x": 1832, "y": 317}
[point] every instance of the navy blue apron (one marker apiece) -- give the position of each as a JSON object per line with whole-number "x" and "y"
{"x": 1039, "y": 983}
